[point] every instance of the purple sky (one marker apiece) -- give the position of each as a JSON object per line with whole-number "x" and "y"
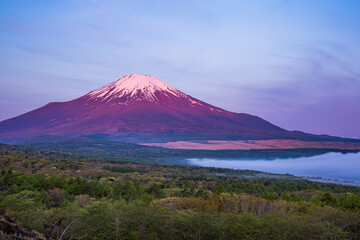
{"x": 293, "y": 63}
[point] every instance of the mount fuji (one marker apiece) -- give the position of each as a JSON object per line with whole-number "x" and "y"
{"x": 142, "y": 105}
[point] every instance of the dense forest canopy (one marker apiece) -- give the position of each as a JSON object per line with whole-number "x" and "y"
{"x": 72, "y": 197}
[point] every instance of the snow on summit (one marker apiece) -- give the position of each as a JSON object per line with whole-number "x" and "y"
{"x": 134, "y": 86}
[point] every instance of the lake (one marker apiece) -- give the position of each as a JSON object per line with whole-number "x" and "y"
{"x": 345, "y": 167}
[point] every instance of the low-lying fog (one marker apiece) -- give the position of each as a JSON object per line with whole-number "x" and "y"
{"x": 330, "y": 165}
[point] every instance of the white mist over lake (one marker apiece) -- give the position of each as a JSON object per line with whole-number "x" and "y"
{"x": 330, "y": 165}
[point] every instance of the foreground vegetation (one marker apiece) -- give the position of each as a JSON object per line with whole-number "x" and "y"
{"x": 72, "y": 199}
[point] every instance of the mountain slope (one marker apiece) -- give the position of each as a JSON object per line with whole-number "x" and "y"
{"x": 139, "y": 105}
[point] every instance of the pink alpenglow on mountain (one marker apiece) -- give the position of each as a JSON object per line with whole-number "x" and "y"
{"x": 137, "y": 105}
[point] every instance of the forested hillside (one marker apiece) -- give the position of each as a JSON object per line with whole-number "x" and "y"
{"x": 59, "y": 195}
{"x": 112, "y": 150}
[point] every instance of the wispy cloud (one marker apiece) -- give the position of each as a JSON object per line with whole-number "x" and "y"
{"x": 291, "y": 62}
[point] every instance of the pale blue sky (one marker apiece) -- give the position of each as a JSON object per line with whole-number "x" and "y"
{"x": 294, "y": 63}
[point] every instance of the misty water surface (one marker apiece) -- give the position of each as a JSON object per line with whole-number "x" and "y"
{"x": 330, "y": 165}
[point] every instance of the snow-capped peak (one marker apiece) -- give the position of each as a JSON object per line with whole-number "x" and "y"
{"x": 134, "y": 85}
